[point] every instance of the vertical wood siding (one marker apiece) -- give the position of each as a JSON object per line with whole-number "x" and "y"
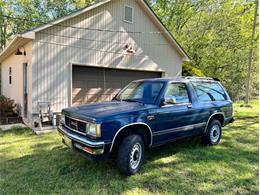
{"x": 58, "y": 46}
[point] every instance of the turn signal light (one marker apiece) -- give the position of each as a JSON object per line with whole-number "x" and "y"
{"x": 89, "y": 150}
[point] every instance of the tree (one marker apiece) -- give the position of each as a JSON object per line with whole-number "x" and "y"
{"x": 5, "y": 25}
{"x": 215, "y": 35}
{"x": 251, "y": 56}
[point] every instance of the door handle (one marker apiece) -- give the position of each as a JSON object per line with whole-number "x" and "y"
{"x": 151, "y": 117}
{"x": 189, "y": 106}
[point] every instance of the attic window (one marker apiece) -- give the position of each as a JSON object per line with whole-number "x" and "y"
{"x": 128, "y": 14}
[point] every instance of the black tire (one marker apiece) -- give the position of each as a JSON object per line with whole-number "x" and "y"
{"x": 127, "y": 151}
{"x": 212, "y": 135}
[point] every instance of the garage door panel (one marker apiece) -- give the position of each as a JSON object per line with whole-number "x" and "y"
{"x": 114, "y": 84}
{"x": 78, "y": 84}
{"x": 92, "y": 73}
{"x": 88, "y": 84}
{"x": 105, "y": 97}
{"x": 90, "y": 98}
{"x": 111, "y": 91}
{"x": 75, "y": 91}
{"x": 78, "y": 97}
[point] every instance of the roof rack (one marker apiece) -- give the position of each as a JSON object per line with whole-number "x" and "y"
{"x": 199, "y": 78}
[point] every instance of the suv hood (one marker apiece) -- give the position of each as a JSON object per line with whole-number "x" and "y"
{"x": 105, "y": 109}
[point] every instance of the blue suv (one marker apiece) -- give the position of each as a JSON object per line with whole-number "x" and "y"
{"x": 147, "y": 113}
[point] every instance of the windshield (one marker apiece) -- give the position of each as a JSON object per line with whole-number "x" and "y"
{"x": 143, "y": 92}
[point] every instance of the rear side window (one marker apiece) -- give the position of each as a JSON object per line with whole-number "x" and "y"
{"x": 209, "y": 91}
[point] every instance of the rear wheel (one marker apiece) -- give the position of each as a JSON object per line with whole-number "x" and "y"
{"x": 130, "y": 155}
{"x": 213, "y": 133}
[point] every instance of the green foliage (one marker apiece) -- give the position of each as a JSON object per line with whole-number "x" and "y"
{"x": 216, "y": 35}
{"x": 7, "y": 107}
{"x": 189, "y": 70}
{"x": 32, "y": 164}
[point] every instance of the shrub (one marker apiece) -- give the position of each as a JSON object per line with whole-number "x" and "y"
{"x": 190, "y": 70}
{"x": 7, "y": 107}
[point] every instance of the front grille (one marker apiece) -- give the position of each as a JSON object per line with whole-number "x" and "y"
{"x": 75, "y": 125}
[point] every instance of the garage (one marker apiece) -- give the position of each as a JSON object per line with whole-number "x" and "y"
{"x": 94, "y": 84}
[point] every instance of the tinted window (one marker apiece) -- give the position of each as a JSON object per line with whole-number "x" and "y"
{"x": 209, "y": 91}
{"x": 178, "y": 91}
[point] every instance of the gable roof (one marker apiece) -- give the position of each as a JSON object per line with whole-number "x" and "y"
{"x": 30, "y": 35}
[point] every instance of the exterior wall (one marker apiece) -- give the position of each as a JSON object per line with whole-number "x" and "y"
{"x": 56, "y": 48}
{"x": 15, "y": 90}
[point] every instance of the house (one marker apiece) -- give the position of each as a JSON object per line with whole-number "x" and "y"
{"x": 87, "y": 56}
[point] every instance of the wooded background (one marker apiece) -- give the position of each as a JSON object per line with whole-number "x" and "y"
{"x": 216, "y": 34}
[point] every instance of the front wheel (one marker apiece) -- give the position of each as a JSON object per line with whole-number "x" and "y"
{"x": 130, "y": 155}
{"x": 213, "y": 133}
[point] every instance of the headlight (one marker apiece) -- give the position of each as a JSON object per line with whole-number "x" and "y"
{"x": 62, "y": 119}
{"x": 93, "y": 130}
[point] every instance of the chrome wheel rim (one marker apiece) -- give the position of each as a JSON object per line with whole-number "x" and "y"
{"x": 135, "y": 155}
{"x": 215, "y": 133}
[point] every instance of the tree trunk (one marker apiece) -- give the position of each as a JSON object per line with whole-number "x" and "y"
{"x": 251, "y": 56}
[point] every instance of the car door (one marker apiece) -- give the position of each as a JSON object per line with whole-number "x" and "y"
{"x": 175, "y": 119}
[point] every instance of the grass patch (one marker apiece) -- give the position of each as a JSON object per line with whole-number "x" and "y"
{"x": 31, "y": 164}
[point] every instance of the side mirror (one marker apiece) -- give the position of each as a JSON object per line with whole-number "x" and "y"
{"x": 169, "y": 100}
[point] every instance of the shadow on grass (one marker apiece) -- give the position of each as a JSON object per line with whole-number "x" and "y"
{"x": 253, "y": 118}
{"x": 17, "y": 131}
{"x": 61, "y": 170}
{"x": 184, "y": 166}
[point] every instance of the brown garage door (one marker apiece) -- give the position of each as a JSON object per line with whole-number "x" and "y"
{"x": 101, "y": 84}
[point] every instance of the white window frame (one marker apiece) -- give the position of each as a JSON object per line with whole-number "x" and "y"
{"x": 124, "y": 19}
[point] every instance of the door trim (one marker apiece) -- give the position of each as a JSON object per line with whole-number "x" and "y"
{"x": 183, "y": 128}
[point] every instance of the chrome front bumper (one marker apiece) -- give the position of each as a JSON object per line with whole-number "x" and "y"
{"x": 81, "y": 142}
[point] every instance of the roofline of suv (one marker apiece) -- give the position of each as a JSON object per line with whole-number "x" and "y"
{"x": 179, "y": 79}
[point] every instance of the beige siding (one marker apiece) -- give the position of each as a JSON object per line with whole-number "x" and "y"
{"x": 15, "y": 90}
{"x": 54, "y": 50}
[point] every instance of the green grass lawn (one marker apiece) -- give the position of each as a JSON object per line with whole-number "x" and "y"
{"x": 41, "y": 164}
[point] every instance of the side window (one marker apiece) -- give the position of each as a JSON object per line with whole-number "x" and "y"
{"x": 178, "y": 91}
{"x": 10, "y": 75}
{"x": 209, "y": 91}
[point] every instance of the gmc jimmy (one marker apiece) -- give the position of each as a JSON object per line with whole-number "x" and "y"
{"x": 147, "y": 113}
